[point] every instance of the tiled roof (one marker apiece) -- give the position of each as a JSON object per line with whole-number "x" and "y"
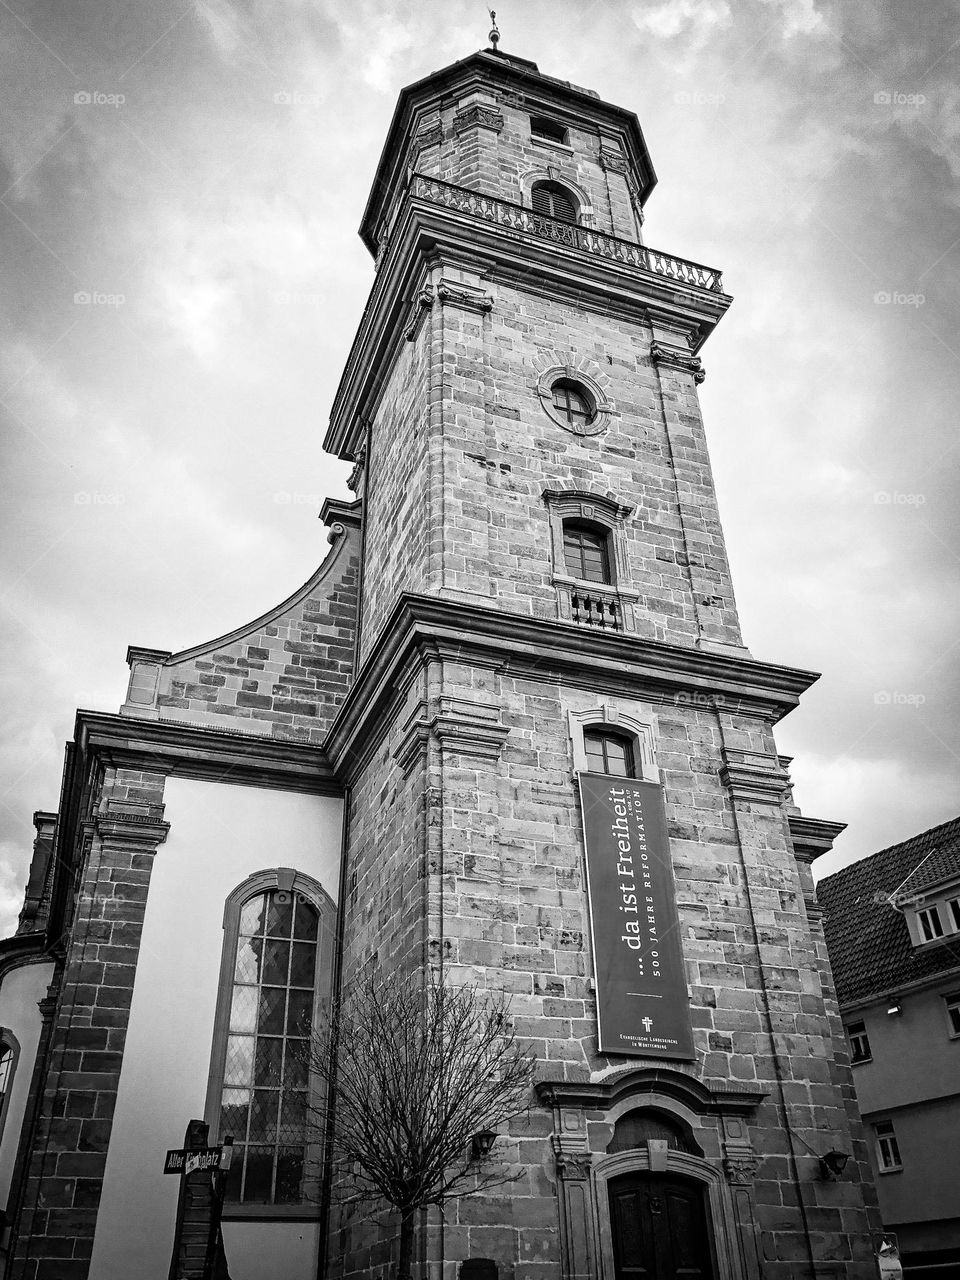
{"x": 867, "y": 937}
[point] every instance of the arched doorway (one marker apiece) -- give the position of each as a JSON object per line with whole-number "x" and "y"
{"x": 660, "y": 1227}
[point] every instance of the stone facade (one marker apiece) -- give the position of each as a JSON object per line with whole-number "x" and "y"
{"x": 465, "y": 845}
{"x": 438, "y": 672}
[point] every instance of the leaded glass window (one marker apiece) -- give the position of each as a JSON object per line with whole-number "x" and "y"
{"x": 264, "y": 1086}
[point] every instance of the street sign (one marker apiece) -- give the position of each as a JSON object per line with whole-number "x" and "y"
{"x": 190, "y": 1161}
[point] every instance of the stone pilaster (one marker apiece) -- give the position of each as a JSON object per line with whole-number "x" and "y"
{"x": 65, "y": 1175}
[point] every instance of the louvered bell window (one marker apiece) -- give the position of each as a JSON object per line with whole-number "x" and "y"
{"x": 551, "y": 201}
{"x": 263, "y": 1103}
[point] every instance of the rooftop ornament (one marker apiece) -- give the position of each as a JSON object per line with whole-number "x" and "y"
{"x": 494, "y": 36}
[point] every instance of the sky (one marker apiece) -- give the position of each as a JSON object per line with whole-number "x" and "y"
{"x": 182, "y": 184}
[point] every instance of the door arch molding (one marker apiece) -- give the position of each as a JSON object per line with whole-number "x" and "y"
{"x": 680, "y": 1164}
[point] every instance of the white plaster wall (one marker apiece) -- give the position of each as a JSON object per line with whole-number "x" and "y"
{"x": 21, "y": 990}
{"x": 219, "y": 835}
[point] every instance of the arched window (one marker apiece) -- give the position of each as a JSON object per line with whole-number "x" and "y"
{"x": 553, "y": 201}
{"x": 586, "y": 551}
{"x": 609, "y": 752}
{"x": 9, "y": 1053}
{"x": 275, "y": 985}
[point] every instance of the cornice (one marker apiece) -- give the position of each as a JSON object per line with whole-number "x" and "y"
{"x": 214, "y": 755}
{"x": 700, "y": 1097}
{"x": 812, "y": 836}
{"x": 753, "y": 776}
{"x": 428, "y": 233}
{"x": 609, "y": 662}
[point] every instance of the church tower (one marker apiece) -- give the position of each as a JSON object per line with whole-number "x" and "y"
{"x": 507, "y": 731}
{"x": 548, "y": 652}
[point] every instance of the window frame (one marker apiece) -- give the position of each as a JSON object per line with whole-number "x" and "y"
{"x": 889, "y": 1159}
{"x": 603, "y": 535}
{"x": 857, "y": 1031}
{"x": 283, "y": 879}
{"x": 641, "y": 732}
{"x": 8, "y": 1041}
{"x": 951, "y": 1004}
{"x": 607, "y": 733}
{"x": 537, "y": 136}
{"x": 927, "y": 915}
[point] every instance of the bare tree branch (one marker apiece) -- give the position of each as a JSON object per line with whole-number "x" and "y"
{"x": 412, "y": 1069}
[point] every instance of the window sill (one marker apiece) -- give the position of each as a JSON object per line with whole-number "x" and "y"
{"x": 553, "y": 146}
{"x": 896, "y": 1169}
{"x": 860, "y": 1062}
{"x": 271, "y": 1213}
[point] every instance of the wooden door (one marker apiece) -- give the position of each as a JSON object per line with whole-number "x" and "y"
{"x": 660, "y": 1228}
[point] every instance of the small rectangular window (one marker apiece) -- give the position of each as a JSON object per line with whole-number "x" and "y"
{"x": 859, "y": 1043}
{"x": 547, "y": 130}
{"x": 954, "y": 906}
{"x": 953, "y": 1013}
{"x": 931, "y": 926}
{"x": 888, "y": 1151}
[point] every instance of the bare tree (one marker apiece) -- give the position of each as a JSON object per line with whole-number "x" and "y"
{"x": 413, "y": 1069}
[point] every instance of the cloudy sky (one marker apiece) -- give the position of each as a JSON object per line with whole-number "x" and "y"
{"x": 197, "y": 170}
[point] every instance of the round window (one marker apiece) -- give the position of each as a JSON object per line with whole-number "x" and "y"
{"x": 573, "y": 403}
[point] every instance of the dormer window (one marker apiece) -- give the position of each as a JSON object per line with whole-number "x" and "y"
{"x": 931, "y": 926}
{"x": 543, "y": 129}
{"x": 551, "y": 200}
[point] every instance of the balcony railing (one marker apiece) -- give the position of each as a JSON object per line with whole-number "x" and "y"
{"x": 586, "y": 239}
{"x": 594, "y": 610}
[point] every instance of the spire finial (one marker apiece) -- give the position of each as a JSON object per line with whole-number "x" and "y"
{"x": 494, "y": 36}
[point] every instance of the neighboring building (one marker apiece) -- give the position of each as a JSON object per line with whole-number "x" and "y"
{"x": 892, "y": 924}
{"x": 529, "y": 601}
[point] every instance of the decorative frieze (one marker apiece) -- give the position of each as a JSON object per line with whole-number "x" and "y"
{"x": 478, "y": 115}
{"x": 613, "y": 160}
{"x": 676, "y": 359}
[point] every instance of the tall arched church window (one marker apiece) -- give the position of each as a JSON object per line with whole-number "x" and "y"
{"x": 9, "y": 1053}
{"x": 553, "y": 201}
{"x": 274, "y": 992}
{"x": 609, "y": 752}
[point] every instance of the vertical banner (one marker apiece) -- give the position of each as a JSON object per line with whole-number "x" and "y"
{"x": 642, "y": 1004}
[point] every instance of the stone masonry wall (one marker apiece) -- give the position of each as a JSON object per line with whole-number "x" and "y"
{"x": 474, "y": 154}
{"x": 500, "y": 450}
{"x": 287, "y": 676}
{"x": 65, "y": 1174}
